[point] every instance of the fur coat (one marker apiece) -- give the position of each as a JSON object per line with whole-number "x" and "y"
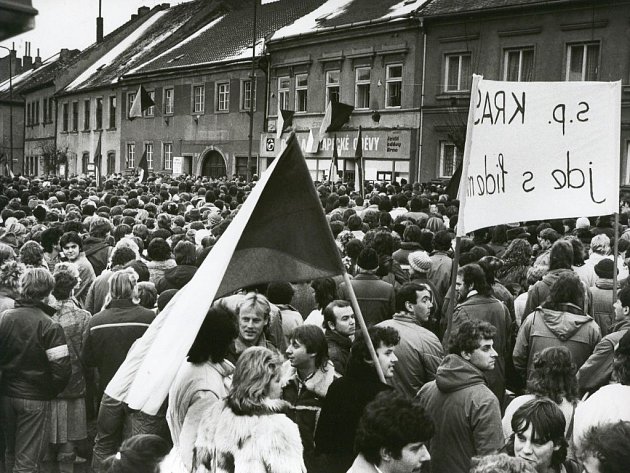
{"x": 261, "y": 441}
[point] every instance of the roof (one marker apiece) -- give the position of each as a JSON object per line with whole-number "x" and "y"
{"x": 159, "y": 31}
{"x": 229, "y": 36}
{"x": 40, "y": 76}
{"x": 449, "y": 7}
{"x": 335, "y": 13}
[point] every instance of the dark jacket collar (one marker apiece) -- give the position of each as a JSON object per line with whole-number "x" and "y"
{"x": 48, "y": 310}
{"x": 120, "y": 304}
{"x": 340, "y": 340}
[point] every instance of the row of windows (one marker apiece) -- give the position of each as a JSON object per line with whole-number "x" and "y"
{"x": 518, "y": 65}
{"x": 167, "y": 155}
{"x": 362, "y": 88}
{"x": 32, "y": 111}
{"x": 70, "y": 114}
{"x": 222, "y": 98}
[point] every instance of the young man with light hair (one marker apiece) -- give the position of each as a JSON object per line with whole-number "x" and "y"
{"x": 253, "y": 316}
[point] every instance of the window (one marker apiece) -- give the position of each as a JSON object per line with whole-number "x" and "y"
{"x": 50, "y": 110}
{"x": 85, "y": 160}
{"x": 332, "y": 86}
{"x": 301, "y": 99}
{"x": 86, "y": 114}
{"x": 167, "y": 155}
{"x": 449, "y": 158}
{"x": 45, "y": 111}
{"x": 75, "y": 116}
{"x": 150, "y": 112}
{"x": 64, "y": 117}
{"x": 148, "y": 148}
{"x": 112, "y": 111}
{"x": 241, "y": 166}
{"x": 130, "y": 98}
{"x": 518, "y": 65}
{"x": 37, "y": 112}
{"x": 583, "y": 61}
{"x": 246, "y": 94}
{"x": 223, "y": 97}
{"x": 168, "y": 101}
{"x": 29, "y": 118}
{"x": 393, "y": 92}
{"x": 130, "y": 160}
{"x": 284, "y": 84}
{"x": 362, "y": 88}
{"x": 457, "y": 73}
{"x": 99, "y": 113}
{"x": 199, "y": 94}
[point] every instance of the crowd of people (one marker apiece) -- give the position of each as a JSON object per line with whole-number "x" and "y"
{"x": 522, "y": 366}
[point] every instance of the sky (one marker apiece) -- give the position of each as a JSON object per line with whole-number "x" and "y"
{"x": 72, "y": 23}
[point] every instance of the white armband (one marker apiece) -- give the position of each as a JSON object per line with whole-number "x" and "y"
{"x": 57, "y": 352}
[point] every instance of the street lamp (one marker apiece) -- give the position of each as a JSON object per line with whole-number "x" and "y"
{"x": 10, "y": 106}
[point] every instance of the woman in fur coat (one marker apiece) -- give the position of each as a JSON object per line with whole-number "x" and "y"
{"x": 248, "y": 431}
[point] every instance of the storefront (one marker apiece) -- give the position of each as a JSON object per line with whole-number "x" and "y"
{"x": 386, "y": 153}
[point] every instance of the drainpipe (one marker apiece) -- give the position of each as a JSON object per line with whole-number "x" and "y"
{"x": 421, "y": 128}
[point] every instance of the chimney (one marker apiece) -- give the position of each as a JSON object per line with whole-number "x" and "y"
{"x": 27, "y": 59}
{"x": 134, "y": 16}
{"x": 99, "y": 25}
{"x": 166, "y": 6}
{"x": 63, "y": 54}
{"x": 38, "y": 60}
{"x": 143, "y": 11}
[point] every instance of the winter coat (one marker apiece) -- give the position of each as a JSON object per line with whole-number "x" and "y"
{"x": 111, "y": 333}
{"x": 195, "y": 389}
{"x": 237, "y": 347}
{"x": 361, "y": 465}
{"x": 97, "y": 252}
{"x": 98, "y": 291}
{"x": 86, "y": 273}
{"x": 175, "y": 278}
{"x": 402, "y": 254}
{"x": 305, "y": 398}
{"x": 538, "y": 293}
{"x": 344, "y": 404}
{"x": 338, "y": 350}
{"x": 440, "y": 272}
{"x": 588, "y": 275}
{"x": 290, "y": 318}
{"x": 34, "y": 358}
{"x": 377, "y": 299}
{"x": 603, "y": 311}
{"x": 419, "y": 354}
{"x": 6, "y": 302}
{"x": 466, "y": 413}
{"x": 551, "y": 328}
{"x": 261, "y": 441}
{"x": 491, "y": 310}
{"x": 158, "y": 268}
{"x": 74, "y": 322}
{"x": 597, "y": 370}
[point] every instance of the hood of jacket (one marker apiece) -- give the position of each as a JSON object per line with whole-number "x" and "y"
{"x": 455, "y": 373}
{"x": 180, "y": 274}
{"x": 552, "y": 276}
{"x": 318, "y": 383}
{"x": 565, "y": 322}
{"x": 603, "y": 283}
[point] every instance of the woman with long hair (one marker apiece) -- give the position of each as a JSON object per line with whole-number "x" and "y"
{"x": 554, "y": 377}
{"x": 517, "y": 259}
{"x": 325, "y": 292}
{"x": 539, "y": 437}
{"x": 247, "y": 432}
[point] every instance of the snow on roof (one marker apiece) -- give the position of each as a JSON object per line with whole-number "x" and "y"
{"x": 405, "y": 7}
{"x": 310, "y": 22}
{"x": 115, "y": 51}
{"x": 15, "y": 80}
{"x": 182, "y": 43}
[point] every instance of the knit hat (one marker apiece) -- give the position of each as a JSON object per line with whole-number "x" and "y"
{"x": 604, "y": 269}
{"x": 420, "y": 261}
{"x": 582, "y": 222}
{"x": 368, "y": 259}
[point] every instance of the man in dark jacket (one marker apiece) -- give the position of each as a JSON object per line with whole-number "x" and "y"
{"x": 34, "y": 367}
{"x": 348, "y": 396}
{"x": 177, "y": 277}
{"x": 96, "y": 246}
{"x": 339, "y": 327}
{"x": 466, "y": 413}
{"x": 377, "y": 299}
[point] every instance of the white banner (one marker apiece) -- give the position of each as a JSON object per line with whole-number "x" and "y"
{"x": 540, "y": 150}
{"x": 178, "y": 162}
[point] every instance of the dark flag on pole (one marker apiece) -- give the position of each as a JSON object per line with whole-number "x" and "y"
{"x": 285, "y": 120}
{"x": 143, "y": 168}
{"x": 358, "y": 158}
{"x": 251, "y": 251}
{"x": 453, "y": 185}
{"x": 141, "y": 102}
{"x": 337, "y": 114}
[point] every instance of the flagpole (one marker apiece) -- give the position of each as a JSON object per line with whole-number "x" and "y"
{"x": 451, "y": 290}
{"x": 251, "y": 98}
{"x": 615, "y": 256}
{"x": 364, "y": 329}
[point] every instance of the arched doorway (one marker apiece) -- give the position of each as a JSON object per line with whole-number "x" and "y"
{"x": 84, "y": 162}
{"x": 213, "y": 165}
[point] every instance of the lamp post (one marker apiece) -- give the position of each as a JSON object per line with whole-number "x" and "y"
{"x": 10, "y": 106}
